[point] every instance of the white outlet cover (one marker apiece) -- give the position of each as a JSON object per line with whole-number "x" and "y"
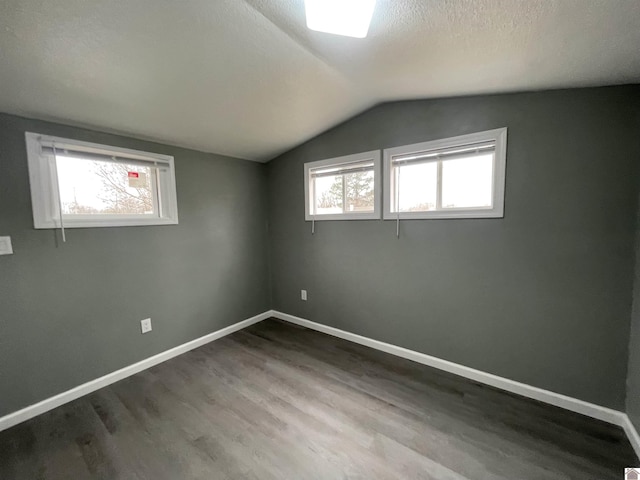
{"x": 145, "y": 325}
{"x": 5, "y": 246}
{"x": 303, "y": 294}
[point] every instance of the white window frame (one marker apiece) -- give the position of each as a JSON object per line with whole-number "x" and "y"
{"x": 499, "y": 136}
{"x": 374, "y": 156}
{"x": 44, "y": 195}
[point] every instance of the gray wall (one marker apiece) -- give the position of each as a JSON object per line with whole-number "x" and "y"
{"x": 70, "y": 312}
{"x": 542, "y": 296}
{"x": 633, "y": 372}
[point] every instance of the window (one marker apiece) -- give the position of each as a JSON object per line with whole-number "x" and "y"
{"x": 78, "y": 184}
{"x": 343, "y": 188}
{"x": 460, "y": 177}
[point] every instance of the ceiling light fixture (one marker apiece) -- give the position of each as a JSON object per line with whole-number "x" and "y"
{"x": 350, "y": 18}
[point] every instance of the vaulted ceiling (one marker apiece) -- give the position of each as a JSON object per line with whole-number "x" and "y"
{"x": 246, "y": 78}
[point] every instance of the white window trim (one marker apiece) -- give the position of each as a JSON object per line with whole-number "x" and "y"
{"x": 344, "y": 160}
{"x": 498, "y": 135}
{"x": 44, "y": 198}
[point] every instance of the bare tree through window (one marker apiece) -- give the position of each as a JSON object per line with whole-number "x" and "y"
{"x": 117, "y": 195}
{"x": 355, "y": 190}
{"x": 95, "y": 187}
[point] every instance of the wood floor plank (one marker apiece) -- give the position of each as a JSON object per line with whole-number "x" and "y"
{"x": 451, "y": 401}
{"x": 278, "y": 401}
{"x": 464, "y": 455}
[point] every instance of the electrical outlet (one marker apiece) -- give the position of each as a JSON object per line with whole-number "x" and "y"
{"x": 303, "y": 295}
{"x": 145, "y": 325}
{"x": 5, "y": 246}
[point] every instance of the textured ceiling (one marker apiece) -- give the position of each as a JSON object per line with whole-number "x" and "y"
{"x": 247, "y": 79}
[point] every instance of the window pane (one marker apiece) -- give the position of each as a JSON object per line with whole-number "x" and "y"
{"x": 328, "y": 194}
{"x": 467, "y": 182}
{"x": 418, "y": 185}
{"x": 91, "y": 187}
{"x": 359, "y": 192}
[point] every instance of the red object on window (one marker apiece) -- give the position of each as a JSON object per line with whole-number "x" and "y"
{"x": 133, "y": 174}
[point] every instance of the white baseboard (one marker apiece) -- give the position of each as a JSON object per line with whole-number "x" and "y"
{"x": 592, "y": 410}
{"x": 632, "y": 434}
{"x": 569, "y": 403}
{"x": 86, "y": 388}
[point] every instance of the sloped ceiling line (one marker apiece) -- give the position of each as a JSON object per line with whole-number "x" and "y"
{"x": 248, "y": 79}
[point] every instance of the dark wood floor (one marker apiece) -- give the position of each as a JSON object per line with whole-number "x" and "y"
{"x": 276, "y": 401}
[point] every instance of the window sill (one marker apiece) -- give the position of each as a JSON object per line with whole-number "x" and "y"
{"x": 440, "y": 215}
{"x": 338, "y": 216}
{"x": 122, "y": 222}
